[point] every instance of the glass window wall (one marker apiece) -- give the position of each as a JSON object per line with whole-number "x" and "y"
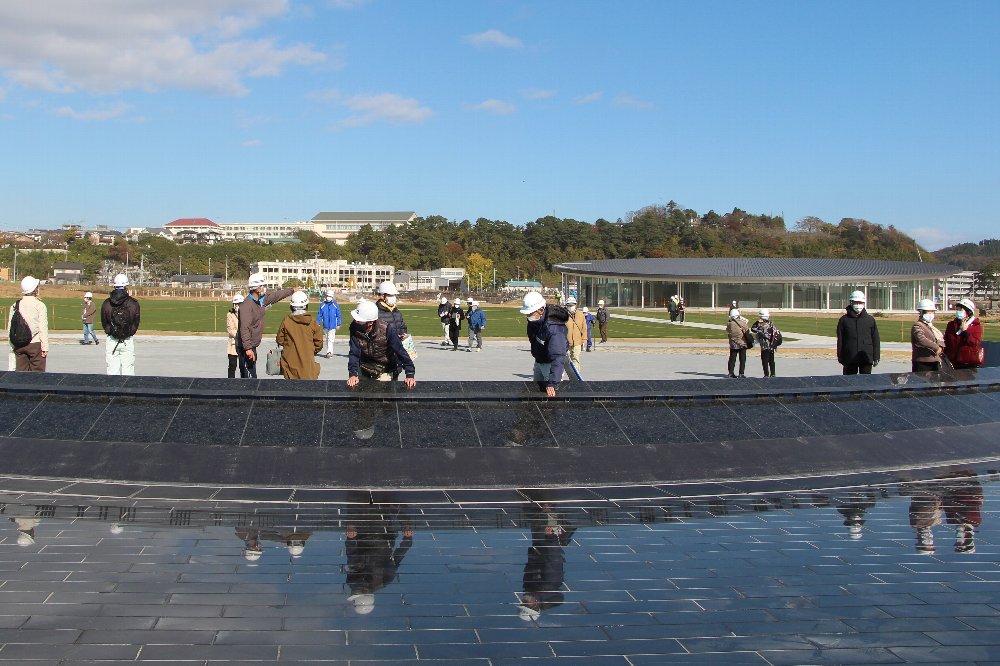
{"x": 751, "y": 295}
{"x": 809, "y": 296}
{"x": 697, "y": 294}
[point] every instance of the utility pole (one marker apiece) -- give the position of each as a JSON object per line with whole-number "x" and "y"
{"x": 494, "y": 278}
{"x": 227, "y": 269}
{"x": 15, "y": 263}
{"x": 142, "y": 271}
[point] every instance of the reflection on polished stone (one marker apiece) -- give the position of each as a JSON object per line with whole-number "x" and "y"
{"x": 894, "y": 572}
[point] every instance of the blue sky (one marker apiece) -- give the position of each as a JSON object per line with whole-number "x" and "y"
{"x": 137, "y": 112}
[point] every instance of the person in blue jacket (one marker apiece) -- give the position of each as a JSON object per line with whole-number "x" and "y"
{"x": 329, "y": 318}
{"x": 590, "y": 328}
{"x": 477, "y": 322}
{"x": 547, "y": 335}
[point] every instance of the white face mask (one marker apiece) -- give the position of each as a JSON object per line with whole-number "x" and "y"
{"x": 928, "y": 317}
{"x": 960, "y": 315}
{"x": 857, "y": 307}
{"x": 571, "y": 308}
{"x": 391, "y": 300}
{"x": 534, "y": 317}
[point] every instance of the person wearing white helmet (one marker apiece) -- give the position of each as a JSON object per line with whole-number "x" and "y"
{"x": 373, "y": 558}
{"x": 120, "y": 320}
{"x": 252, "y": 321}
{"x": 602, "y": 321}
{"x": 388, "y": 297}
{"x": 768, "y": 337}
{"x": 576, "y": 332}
{"x": 926, "y": 339}
{"x": 740, "y": 337}
{"x": 547, "y": 336}
{"x": 232, "y": 330}
{"x": 300, "y": 339}
{"x": 590, "y": 319}
{"x": 672, "y": 307}
{"x": 963, "y": 337}
{"x": 376, "y": 351}
{"x": 444, "y": 315}
{"x": 28, "y": 329}
{"x": 329, "y": 318}
{"x": 858, "y": 345}
{"x": 477, "y": 322}
{"x": 545, "y": 567}
{"x": 456, "y": 315}
{"x": 87, "y": 317}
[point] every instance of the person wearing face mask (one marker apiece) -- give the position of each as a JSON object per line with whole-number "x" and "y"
{"x": 329, "y": 318}
{"x": 300, "y": 339}
{"x": 376, "y": 351}
{"x": 926, "y": 339}
{"x": 547, "y": 335}
{"x": 444, "y": 314}
{"x": 455, "y": 318}
{"x": 388, "y": 296}
{"x": 477, "y": 322}
{"x": 576, "y": 332}
{"x": 738, "y": 332}
{"x": 963, "y": 337}
{"x": 858, "y": 345}
{"x": 232, "y": 330}
{"x": 251, "y": 314}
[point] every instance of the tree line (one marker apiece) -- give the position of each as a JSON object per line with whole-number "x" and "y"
{"x": 528, "y": 251}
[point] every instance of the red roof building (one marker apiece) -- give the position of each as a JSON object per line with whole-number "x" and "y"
{"x": 191, "y": 222}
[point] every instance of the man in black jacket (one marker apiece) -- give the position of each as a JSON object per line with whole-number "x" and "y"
{"x": 120, "y": 319}
{"x": 858, "y": 346}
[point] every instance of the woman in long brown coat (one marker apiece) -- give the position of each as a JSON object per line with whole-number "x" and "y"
{"x": 300, "y": 338}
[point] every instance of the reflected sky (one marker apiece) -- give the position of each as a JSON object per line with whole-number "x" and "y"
{"x": 894, "y": 572}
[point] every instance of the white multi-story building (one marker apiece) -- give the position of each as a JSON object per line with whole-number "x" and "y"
{"x": 350, "y": 276}
{"x": 956, "y": 287}
{"x": 338, "y": 226}
{"x": 335, "y": 226}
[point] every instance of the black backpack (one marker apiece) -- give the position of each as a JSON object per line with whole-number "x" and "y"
{"x": 20, "y": 333}
{"x": 121, "y": 322}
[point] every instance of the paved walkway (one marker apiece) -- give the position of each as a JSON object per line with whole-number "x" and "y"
{"x": 501, "y": 360}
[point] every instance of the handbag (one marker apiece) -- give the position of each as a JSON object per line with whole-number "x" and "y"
{"x": 748, "y": 338}
{"x": 273, "y": 365}
{"x": 371, "y": 369}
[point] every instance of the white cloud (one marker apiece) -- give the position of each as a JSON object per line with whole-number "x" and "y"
{"x": 251, "y": 143}
{"x": 324, "y": 95}
{"x": 106, "y": 113}
{"x": 934, "y": 239}
{"x": 493, "y": 38}
{"x": 493, "y": 106}
{"x": 629, "y": 102}
{"x": 535, "y": 93}
{"x": 109, "y": 46}
{"x": 385, "y": 107}
{"x": 589, "y": 99}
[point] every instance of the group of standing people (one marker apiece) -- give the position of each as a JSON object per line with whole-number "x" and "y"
{"x": 451, "y": 314}
{"x": 742, "y": 336}
{"x": 28, "y": 328}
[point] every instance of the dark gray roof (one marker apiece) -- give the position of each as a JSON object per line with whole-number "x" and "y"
{"x": 756, "y": 269}
{"x": 398, "y": 216}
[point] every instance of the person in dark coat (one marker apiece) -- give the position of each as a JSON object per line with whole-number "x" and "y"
{"x": 444, "y": 315}
{"x": 373, "y": 558}
{"x": 376, "y": 350}
{"x": 602, "y": 321}
{"x": 455, "y": 317}
{"x": 545, "y": 568}
{"x": 548, "y": 337}
{"x": 858, "y": 346}
{"x": 387, "y": 310}
{"x": 251, "y": 330}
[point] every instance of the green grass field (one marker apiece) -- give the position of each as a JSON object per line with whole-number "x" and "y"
{"x": 895, "y": 328}
{"x": 184, "y": 316}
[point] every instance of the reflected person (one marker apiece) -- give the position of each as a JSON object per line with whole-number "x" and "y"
{"x": 962, "y": 501}
{"x": 373, "y": 558}
{"x": 853, "y": 507}
{"x": 544, "y": 570}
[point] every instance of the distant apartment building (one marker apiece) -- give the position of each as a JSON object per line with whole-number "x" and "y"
{"x": 351, "y": 276}
{"x": 338, "y": 226}
{"x": 956, "y": 287}
{"x": 334, "y": 226}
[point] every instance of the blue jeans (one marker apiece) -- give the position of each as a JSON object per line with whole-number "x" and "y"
{"x": 88, "y": 329}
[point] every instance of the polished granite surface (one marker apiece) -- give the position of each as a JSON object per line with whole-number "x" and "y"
{"x": 876, "y": 568}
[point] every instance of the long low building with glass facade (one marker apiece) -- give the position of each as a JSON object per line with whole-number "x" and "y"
{"x": 771, "y": 282}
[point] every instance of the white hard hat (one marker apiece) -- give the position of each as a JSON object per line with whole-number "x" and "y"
{"x": 475, "y": 303}
{"x": 469, "y": 300}
{"x": 600, "y": 302}
{"x": 527, "y": 613}
{"x": 571, "y": 300}
{"x": 858, "y": 297}
{"x": 765, "y": 313}
{"x": 365, "y": 312}
{"x": 363, "y": 603}
{"x": 586, "y": 309}
{"x": 734, "y": 313}
{"x": 299, "y": 300}
{"x": 29, "y": 284}
{"x": 365, "y": 433}
{"x": 296, "y": 549}
{"x": 237, "y": 299}
{"x": 25, "y": 539}
{"x": 252, "y": 554}
{"x": 255, "y": 280}
{"x": 330, "y": 293}
{"x": 444, "y": 299}
{"x": 88, "y": 295}
{"x": 387, "y": 287}
{"x": 533, "y": 301}
{"x": 121, "y": 280}
{"x": 116, "y": 528}
{"x": 968, "y": 305}
{"x": 458, "y": 301}
{"x": 926, "y": 305}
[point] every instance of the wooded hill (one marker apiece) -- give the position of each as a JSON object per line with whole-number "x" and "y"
{"x": 971, "y": 256}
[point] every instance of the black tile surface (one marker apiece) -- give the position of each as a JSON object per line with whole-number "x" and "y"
{"x": 769, "y": 418}
{"x": 284, "y": 423}
{"x": 154, "y": 382}
{"x": 14, "y": 409}
{"x": 823, "y": 416}
{"x": 712, "y": 421}
{"x": 437, "y": 426}
{"x": 512, "y": 424}
{"x": 134, "y": 420}
{"x": 361, "y": 425}
{"x": 959, "y": 407}
{"x": 582, "y": 424}
{"x": 209, "y": 422}
{"x": 871, "y": 414}
{"x": 59, "y": 417}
